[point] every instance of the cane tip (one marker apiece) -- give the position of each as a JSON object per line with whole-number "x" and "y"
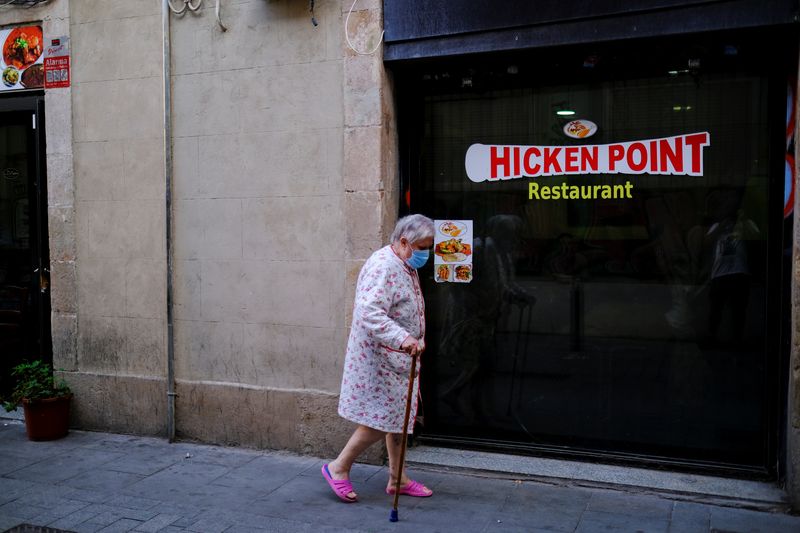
{"x": 393, "y": 516}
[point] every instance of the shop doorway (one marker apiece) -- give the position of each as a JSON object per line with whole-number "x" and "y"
{"x": 639, "y": 329}
{"x": 24, "y": 258}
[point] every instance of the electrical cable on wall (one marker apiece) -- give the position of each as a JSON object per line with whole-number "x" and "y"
{"x": 194, "y": 6}
{"x": 311, "y": 9}
{"x": 23, "y": 3}
{"x": 347, "y": 35}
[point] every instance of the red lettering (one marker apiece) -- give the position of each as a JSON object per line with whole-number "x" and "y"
{"x": 531, "y": 170}
{"x": 653, "y": 156}
{"x": 571, "y": 159}
{"x": 695, "y": 142}
{"x": 550, "y": 160}
{"x": 589, "y": 158}
{"x": 674, "y": 155}
{"x": 615, "y": 153}
{"x": 637, "y": 166}
{"x": 497, "y": 161}
{"x": 516, "y": 161}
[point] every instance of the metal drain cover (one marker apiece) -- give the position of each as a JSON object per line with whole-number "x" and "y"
{"x": 28, "y": 528}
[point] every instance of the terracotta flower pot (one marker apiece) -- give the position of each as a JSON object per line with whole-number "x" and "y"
{"x": 47, "y": 419}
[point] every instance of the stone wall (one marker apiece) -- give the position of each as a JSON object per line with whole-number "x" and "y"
{"x": 119, "y": 215}
{"x": 280, "y": 143}
{"x": 284, "y": 182}
{"x": 793, "y": 400}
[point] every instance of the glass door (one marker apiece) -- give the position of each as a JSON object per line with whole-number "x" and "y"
{"x": 24, "y": 265}
{"x": 638, "y": 326}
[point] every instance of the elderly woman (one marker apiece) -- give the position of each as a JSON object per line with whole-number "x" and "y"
{"x": 388, "y": 328}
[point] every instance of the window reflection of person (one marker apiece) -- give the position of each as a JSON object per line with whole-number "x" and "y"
{"x": 723, "y": 249}
{"x": 474, "y": 310}
{"x": 730, "y": 274}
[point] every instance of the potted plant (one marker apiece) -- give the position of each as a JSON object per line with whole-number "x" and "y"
{"x": 45, "y": 400}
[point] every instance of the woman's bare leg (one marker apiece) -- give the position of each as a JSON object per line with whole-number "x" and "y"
{"x": 393, "y": 444}
{"x": 363, "y": 437}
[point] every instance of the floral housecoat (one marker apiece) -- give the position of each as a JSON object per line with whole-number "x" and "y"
{"x": 388, "y": 308}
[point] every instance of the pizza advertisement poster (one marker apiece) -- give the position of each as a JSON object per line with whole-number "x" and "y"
{"x": 452, "y": 251}
{"x": 22, "y": 58}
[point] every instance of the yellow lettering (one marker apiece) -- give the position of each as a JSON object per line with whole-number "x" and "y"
{"x": 545, "y": 192}
{"x": 533, "y": 190}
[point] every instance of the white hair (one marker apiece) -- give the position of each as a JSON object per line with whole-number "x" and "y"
{"x": 413, "y": 228}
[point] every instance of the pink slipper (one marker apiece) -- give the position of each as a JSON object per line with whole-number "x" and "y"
{"x": 412, "y": 488}
{"x": 340, "y": 487}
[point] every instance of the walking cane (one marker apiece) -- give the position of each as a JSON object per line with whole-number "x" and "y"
{"x": 393, "y": 516}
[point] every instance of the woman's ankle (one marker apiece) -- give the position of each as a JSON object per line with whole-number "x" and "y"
{"x": 336, "y": 470}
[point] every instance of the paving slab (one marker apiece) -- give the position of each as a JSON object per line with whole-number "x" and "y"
{"x": 91, "y": 482}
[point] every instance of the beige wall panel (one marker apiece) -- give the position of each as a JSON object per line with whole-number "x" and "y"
{"x": 301, "y": 96}
{"x": 101, "y": 344}
{"x": 187, "y": 295}
{"x": 362, "y": 171}
{"x": 205, "y": 104}
{"x": 101, "y": 287}
{"x": 60, "y": 180}
{"x": 208, "y": 229}
{"x": 287, "y": 163}
{"x": 121, "y": 404}
{"x": 58, "y": 122}
{"x": 116, "y": 49}
{"x": 125, "y": 229}
{"x": 144, "y": 230}
{"x": 99, "y": 173}
{"x": 294, "y": 293}
{"x": 61, "y": 227}
{"x": 290, "y": 163}
{"x": 225, "y": 290}
{"x": 115, "y": 110}
{"x": 64, "y": 328}
{"x": 83, "y": 11}
{"x": 278, "y": 32}
{"x": 63, "y": 287}
{"x": 366, "y": 236}
{"x": 302, "y": 421}
{"x": 145, "y": 288}
{"x": 211, "y": 351}
{"x": 143, "y": 169}
{"x": 291, "y": 357}
{"x": 298, "y": 228}
{"x": 108, "y": 234}
{"x": 130, "y": 346}
{"x": 145, "y": 353}
{"x": 276, "y": 292}
{"x": 185, "y": 169}
{"x": 334, "y": 144}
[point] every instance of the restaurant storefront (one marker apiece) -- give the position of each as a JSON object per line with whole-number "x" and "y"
{"x": 631, "y": 204}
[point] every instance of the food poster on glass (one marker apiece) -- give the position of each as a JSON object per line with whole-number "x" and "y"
{"x": 452, "y": 249}
{"x": 22, "y": 61}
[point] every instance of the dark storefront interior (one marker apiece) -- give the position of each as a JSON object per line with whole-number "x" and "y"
{"x": 24, "y": 257}
{"x": 643, "y": 329}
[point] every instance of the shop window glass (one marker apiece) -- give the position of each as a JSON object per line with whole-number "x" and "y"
{"x": 630, "y": 325}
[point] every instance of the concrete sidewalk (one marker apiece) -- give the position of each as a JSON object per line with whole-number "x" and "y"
{"x": 104, "y": 482}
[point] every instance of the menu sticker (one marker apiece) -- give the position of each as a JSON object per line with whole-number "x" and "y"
{"x": 56, "y": 64}
{"x": 452, "y": 249}
{"x": 22, "y": 59}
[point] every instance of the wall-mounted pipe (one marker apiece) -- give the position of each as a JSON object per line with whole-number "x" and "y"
{"x": 165, "y": 16}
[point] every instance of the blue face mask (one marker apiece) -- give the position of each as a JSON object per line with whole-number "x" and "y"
{"x": 418, "y": 258}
